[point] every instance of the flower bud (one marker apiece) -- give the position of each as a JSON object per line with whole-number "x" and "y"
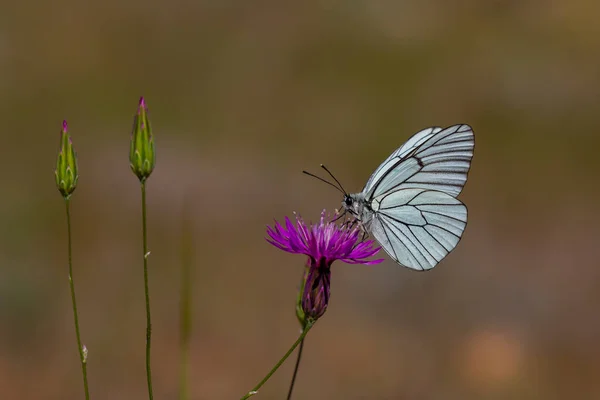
{"x": 141, "y": 154}
{"x": 315, "y": 294}
{"x": 66, "y": 164}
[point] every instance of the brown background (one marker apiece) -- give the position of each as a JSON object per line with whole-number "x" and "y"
{"x": 243, "y": 96}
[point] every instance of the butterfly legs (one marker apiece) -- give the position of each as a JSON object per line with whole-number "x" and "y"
{"x": 350, "y": 224}
{"x": 340, "y": 216}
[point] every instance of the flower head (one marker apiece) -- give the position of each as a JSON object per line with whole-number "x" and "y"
{"x": 66, "y": 164}
{"x": 323, "y": 243}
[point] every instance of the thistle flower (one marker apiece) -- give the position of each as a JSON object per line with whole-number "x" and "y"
{"x": 141, "y": 153}
{"x": 323, "y": 243}
{"x": 66, "y": 164}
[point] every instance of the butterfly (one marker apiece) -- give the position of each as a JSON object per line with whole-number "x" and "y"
{"x": 409, "y": 204}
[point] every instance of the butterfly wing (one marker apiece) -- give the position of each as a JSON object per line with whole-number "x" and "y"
{"x": 414, "y": 141}
{"x": 417, "y": 227}
{"x": 434, "y": 158}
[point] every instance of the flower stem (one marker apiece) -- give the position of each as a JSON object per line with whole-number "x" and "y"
{"x": 289, "y": 396}
{"x": 80, "y": 349}
{"x": 309, "y": 324}
{"x": 147, "y": 293}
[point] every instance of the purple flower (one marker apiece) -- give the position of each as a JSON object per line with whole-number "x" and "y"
{"x": 323, "y": 243}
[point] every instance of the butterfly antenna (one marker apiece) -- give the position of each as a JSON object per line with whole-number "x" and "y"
{"x": 336, "y": 181}
{"x": 323, "y": 180}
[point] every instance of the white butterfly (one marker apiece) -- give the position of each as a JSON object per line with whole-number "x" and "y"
{"x": 409, "y": 203}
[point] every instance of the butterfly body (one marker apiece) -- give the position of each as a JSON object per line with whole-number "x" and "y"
{"x": 409, "y": 203}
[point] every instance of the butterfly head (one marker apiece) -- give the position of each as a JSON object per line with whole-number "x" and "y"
{"x": 354, "y": 204}
{"x": 347, "y": 201}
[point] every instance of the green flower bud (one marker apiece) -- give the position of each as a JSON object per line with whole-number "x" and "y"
{"x": 66, "y": 165}
{"x": 141, "y": 154}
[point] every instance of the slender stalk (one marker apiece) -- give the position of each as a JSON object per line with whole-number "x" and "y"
{"x": 302, "y": 319}
{"x": 147, "y": 293}
{"x": 80, "y": 348}
{"x": 185, "y": 308}
{"x": 300, "y": 339}
{"x": 289, "y": 396}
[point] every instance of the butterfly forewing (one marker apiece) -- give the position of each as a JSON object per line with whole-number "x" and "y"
{"x": 414, "y": 141}
{"x": 434, "y": 159}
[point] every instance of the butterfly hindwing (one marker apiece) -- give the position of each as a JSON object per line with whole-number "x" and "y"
{"x": 418, "y": 227}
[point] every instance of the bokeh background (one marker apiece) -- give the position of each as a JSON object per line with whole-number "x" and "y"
{"x": 243, "y": 96}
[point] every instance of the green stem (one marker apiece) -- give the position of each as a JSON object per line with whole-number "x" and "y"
{"x": 80, "y": 349}
{"x": 289, "y": 396}
{"x": 147, "y": 293}
{"x": 300, "y": 339}
{"x": 185, "y": 307}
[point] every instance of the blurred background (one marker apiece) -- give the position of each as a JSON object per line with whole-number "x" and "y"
{"x": 242, "y": 97}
